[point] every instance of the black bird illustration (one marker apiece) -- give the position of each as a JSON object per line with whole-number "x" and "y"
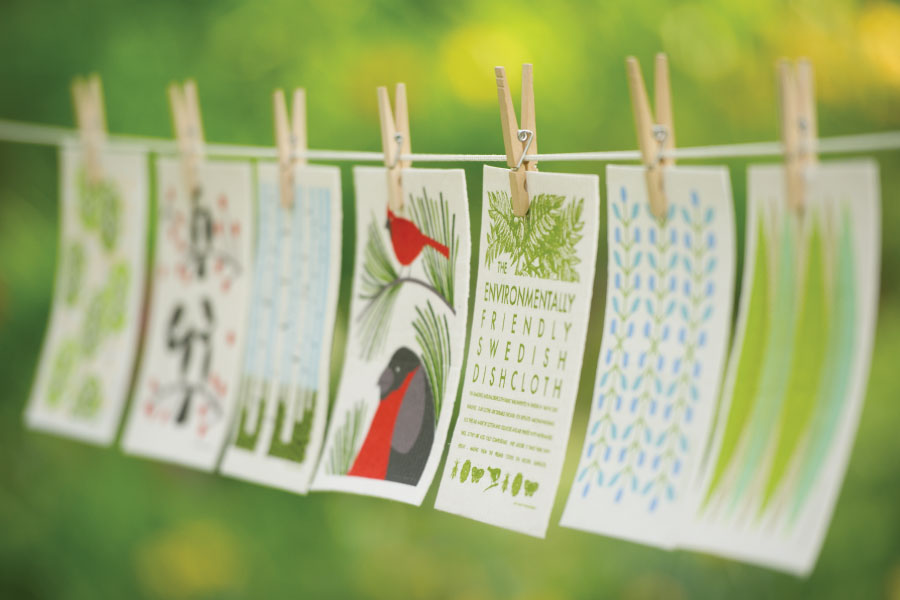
{"x": 399, "y": 439}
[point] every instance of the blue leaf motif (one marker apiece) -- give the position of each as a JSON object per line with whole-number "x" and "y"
{"x": 582, "y": 474}
{"x": 651, "y": 258}
{"x": 617, "y": 258}
{"x": 618, "y": 214}
{"x": 708, "y": 217}
{"x": 708, "y": 312}
{"x": 634, "y": 211}
{"x": 585, "y": 490}
{"x": 711, "y": 265}
{"x": 685, "y": 215}
{"x": 600, "y": 478}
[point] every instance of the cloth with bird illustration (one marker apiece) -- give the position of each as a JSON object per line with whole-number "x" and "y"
{"x": 669, "y": 296}
{"x": 283, "y": 395}
{"x": 89, "y": 351}
{"x": 404, "y": 351}
{"x": 187, "y": 385}
{"x": 533, "y": 297}
{"x": 796, "y": 380}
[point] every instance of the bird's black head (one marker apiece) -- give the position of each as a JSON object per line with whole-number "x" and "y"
{"x": 387, "y": 224}
{"x": 402, "y": 363}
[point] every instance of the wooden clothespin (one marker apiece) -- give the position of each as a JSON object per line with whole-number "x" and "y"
{"x": 87, "y": 96}
{"x": 394, "y": 141}
{"x": 655, "y": 136}
{"x": 798, "y": 126}
{"x": 518, "y": 142}
{"x": 291, "y": 140}
{"x": 188, "y": 132}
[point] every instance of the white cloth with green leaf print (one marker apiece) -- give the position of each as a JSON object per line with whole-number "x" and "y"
{"x": 89, "y": 350}
{"x": 407, "y": 332}
{"x": 799, "y": 364}
{"x": 667, "y": 318}
{"x": 533, "y": 297}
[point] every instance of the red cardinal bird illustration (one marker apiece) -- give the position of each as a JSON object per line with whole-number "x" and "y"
{"x": 408, "y": 241}
{"x": 399, "y": 440}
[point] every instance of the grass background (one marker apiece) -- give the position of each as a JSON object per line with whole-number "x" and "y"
{"x": 84, "y": 522}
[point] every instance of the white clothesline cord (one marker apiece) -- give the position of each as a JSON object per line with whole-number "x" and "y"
{"x": 49, "y": 135}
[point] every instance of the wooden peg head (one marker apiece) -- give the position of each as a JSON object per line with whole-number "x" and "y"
{"x": 188, "y": 131}
{"x": 515, "y": 149}
{"x": 790, "y": 135}
{"x": 283, "y": 145}
{"x": 643, "y": 122}
{"x": 528, "y": 114}
{"x": 87, "y": 96}
{"x": 806, "y": 112}
{"x": 391, "y": 149}
{"x": 663, "y": 92}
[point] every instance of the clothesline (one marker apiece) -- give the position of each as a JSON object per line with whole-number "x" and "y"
{"x": 49, "y": 135}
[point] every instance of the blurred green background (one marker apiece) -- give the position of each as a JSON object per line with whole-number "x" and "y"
{"x": 84, "y": 522}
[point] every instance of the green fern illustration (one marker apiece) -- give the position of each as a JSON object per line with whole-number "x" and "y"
{"x": 542, "y": 243}
{"x": 433, "y": 336}
{"x": 346, "y": 440}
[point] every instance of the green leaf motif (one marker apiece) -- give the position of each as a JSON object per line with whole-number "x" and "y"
{"x": 117, "y": 297}
{"x": 73, "y": 273}
{"x": 542, "y": 243}
{"x": 777, "y": 360}
{"x": 811, "y": 337}
{"x": 92, "y": 330}
{"x": 89, "y": 398}
{"x": 750, "y": 359}
{"x": 837, "y": 374}
{"x": 61, "y": 371}
{"x": 100, "y": 209}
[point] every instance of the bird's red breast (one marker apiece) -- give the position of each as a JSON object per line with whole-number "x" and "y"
{"x": 408, "y": 241}
{"x": 373, "y": 457}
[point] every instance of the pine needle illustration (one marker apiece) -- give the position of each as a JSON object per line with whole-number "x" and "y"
{"x": 433, "y": 218}
{"x": 346, "y": 439}
{"x": 433, "y": 337}
{"x": 378, "y": 287}
{"x": 381, "y": 281}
